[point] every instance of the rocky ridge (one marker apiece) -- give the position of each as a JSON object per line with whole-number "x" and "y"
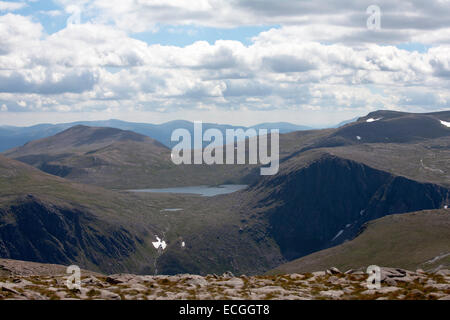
{"x": 332, "y": 284}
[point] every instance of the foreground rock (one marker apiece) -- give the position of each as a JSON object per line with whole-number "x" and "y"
{"x": 332, "y": 284}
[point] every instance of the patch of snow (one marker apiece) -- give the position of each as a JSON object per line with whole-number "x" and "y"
{"x": 445, "y": 123}
{"x": 358, "y": 137}
{"x": 338, "y": 235}
{"x": 172, "y": 210}
{"x": 183, "y": 244}
{"x": 373, "y": 120}
{"x": 159, "y": 244}
{"x": 430, "y": 169}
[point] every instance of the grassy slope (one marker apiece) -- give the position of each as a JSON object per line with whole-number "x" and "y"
{"x": 405, "y": 241}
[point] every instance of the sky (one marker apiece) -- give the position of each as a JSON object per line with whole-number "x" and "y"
{"x": 310, "y": 62}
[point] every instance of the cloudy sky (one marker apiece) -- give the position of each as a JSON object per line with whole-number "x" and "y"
{"x": 311, "y": 62}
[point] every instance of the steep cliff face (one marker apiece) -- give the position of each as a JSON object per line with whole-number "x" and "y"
{"x": 33, "y": 230}
{"x": 326, "y": 202}
{"x": 414, "y": 240}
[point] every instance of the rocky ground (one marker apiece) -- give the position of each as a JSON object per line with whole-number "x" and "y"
{"x": 397, "y": 284}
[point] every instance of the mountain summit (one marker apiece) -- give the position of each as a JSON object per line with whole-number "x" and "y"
{"x": 78, "y": 138}
{"x": 102, "y": 156}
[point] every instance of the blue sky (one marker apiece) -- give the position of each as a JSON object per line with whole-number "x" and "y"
{"x": 237, "y": 61}
{"x": 186, "y": 35}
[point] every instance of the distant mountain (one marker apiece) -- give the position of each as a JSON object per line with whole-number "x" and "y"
{"x": 83, "y": 137}
{"x": 389, "y": 127}
{"x": 343, "y": 123}
{"x": 117, "y": 159}
{"x": 11, "y": 137}
{"x": 95, "y": 155}
{"x": 284, "y": 127}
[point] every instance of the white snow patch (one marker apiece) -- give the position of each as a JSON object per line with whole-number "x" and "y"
{"x": 445, "y": 123}
{"x": 183, "y": 244}
{"x": 338, "y": 235}
{"x": 358, "y": 137}
{"x": 430, "y": 169}
{"x": 172, "y": 210}
{"x": 373, "y": 120}
{"x": 159, "y": 243}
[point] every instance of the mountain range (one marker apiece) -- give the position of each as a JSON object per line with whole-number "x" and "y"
{"x": 341, "y": 193}
{"x": 11, "y": 137}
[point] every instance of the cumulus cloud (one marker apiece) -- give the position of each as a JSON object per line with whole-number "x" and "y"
{"x": 317, "y": 20}
{"x": 47, "y": 81}
{"x": 17, "y": 32}
{"x": 322, "y": 57}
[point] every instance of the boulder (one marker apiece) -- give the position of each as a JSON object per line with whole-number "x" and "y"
{"x": 108, "y": 295}
{"x": 228, "y": 274}
{"x": 334, "y": 294}
{"x": 395, "y": 273}
{"x": 7, "y": 288}
{"x": 333, "y": 271}
{"x": 443, "y": 272}
{"x": 120, "y": 278}
{"x": 390, "y": 282}
{"x": 197, "y": 281}
{"x": 91, "y": 280}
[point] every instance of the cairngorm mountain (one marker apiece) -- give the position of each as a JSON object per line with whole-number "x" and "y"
{"x": 116, "y": 159}
{"x": 12, "y": 137}
{"x": 332, "y": 184}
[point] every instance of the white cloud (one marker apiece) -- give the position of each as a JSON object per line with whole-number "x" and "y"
{"x": 51, "y": 13}
{"x": 317, "y": 20}
{"x": 73, "y": 66}
{"x": 11, "y": 6}
{"x": 308, "y": 66}
{"x": 16, "y": 33}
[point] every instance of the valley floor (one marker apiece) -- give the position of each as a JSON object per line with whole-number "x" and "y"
{"x": 397, "y": 284}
